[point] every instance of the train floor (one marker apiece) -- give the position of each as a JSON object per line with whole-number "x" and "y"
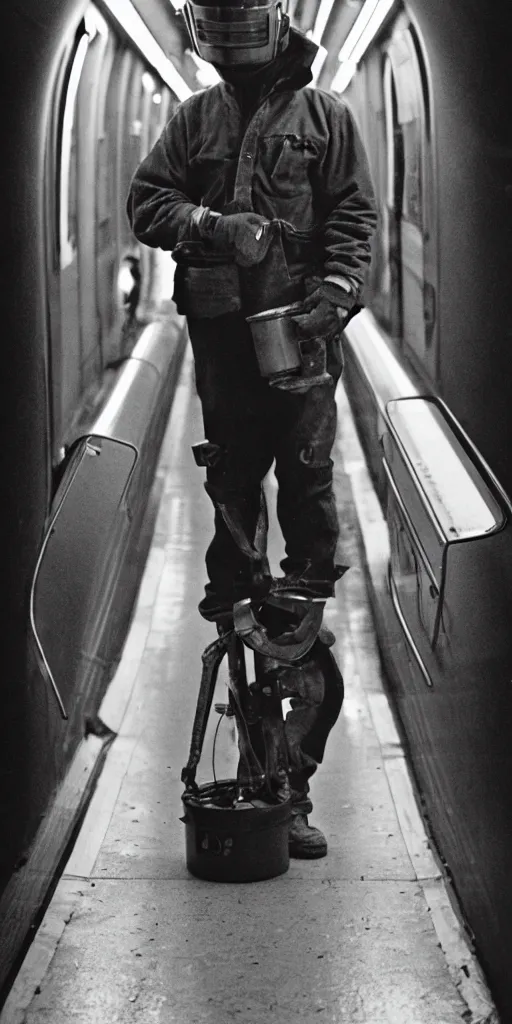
{"x": 365, "y": 935}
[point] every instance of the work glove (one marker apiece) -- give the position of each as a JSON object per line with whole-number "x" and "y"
{"x": 324, "y": 310}
{"x": 246, "y": 235}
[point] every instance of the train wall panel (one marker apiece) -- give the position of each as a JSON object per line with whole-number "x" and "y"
{"x": 44, "y": 395}
{"x": 87, "y": 654}
{"x": 466, "y": 57}
{"x": 24, "y": 457}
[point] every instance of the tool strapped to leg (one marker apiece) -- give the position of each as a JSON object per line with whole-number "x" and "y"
{"x": 212, "y": 658}
{"x": 288, "y": 647}
{"x": 305, "y": 611}
{"x": 251, "y": 771}
{"x": 237, "y": 829}
{"x": 244, "y": 705}
{"x": 292, "y": 645}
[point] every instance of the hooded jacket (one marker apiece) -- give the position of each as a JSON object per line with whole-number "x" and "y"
{"x": 296, "y": 157}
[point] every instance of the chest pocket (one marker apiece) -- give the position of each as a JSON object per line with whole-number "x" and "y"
{"x": 288, "y": 161}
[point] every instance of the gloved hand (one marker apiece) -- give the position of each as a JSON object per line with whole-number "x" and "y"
{"x": 247, "y": 235}
{"x": 324, "y": 311}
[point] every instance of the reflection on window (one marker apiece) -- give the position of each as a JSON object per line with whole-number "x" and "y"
{"x": 68, "y": 170}
{"x": 389, "y": 209}
{"x": 390, "y": 122}
{"x": 105, "y": 155}
{"x": 413, "y": 200}
{"x": 411, "y": 118}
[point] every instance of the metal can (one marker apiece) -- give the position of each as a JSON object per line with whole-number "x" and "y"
{"x": 276, "y": 340}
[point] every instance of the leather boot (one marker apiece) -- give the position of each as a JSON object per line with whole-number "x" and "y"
{"x": 304, "y": 841}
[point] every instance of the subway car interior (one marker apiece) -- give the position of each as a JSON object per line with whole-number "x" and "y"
{"x": 408, "y": 919}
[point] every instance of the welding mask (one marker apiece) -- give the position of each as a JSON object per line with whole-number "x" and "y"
{"x": 246, "y": 33}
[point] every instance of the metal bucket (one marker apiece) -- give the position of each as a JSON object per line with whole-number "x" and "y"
{"x": 275, "y": 340}
{"x": 247, "y": 842}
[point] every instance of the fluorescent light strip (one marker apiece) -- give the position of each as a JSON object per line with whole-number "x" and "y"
{"x": 361, "y": 35}
{"x": 344, "y": 76}
{"x": 361, "y": 23}
{"x": 321, "y": 19}
{"x": 374, "y": 25}
{"x": 318, "y": 63}
{"x": 130, "y": 20}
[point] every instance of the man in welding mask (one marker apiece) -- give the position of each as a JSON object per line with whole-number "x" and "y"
{"x": 260, "y": 187}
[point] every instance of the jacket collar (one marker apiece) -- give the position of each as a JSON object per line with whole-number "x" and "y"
{"x": 295, "y": 63}
{"x": 289, "y": 70}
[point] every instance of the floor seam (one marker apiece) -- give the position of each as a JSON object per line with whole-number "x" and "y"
{"x": 282, "y": 878}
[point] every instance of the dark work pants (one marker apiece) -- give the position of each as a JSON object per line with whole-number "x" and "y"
{"x": 255, "y": 424}
{"x": 315, "y": 688}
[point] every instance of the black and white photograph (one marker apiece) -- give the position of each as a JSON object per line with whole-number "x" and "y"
{"x": 256, "y": 508}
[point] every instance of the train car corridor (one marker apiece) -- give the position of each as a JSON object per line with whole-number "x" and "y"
{"x": 367, "y": 935}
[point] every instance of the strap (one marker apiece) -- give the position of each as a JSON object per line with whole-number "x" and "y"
{"x": 300, "y": 384}
{"x": 253, "y": 777}
{"x": 289, "y": 647}
{"x": 233, "y": 520}
{"x": 246, "y": 161}
{"x": 212, "y": 658}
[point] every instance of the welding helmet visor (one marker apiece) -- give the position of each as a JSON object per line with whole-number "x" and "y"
{"x": 245, "y": 33}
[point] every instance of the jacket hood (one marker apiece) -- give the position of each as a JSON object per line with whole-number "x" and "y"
{"x": 291, "y": 69}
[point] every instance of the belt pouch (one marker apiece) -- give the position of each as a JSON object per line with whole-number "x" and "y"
{"x": 207, "y": 291}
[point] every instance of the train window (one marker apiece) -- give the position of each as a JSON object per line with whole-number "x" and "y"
{"x": 390, "y": 283}
{"x": 413, "y": 206}
{"x": 67, "y": 335}
{"x": 411, "y": 119}
{"x": 107, "y": 213}
{"x": 68, "y": 169}
{"x": 112, "y": 114}
{"x": 129, "y": 141}
{"x": 409, "y": 186}
{"x": 393, "y": 164}
{"x": 76, "y": 352}
{"x": 153, "y": 102}
{"x": 138, "y": 121}
{"x": 105, "y": 149}
{"x": 89, "y": 125}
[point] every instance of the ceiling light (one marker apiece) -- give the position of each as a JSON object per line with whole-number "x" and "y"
{"x": 361, "y": 35}
{"x": 130, "y": 20}
{"x": 321, "y": 20}
{"x": 148, "y": 82}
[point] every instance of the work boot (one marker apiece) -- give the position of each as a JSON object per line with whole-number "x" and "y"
{"x": 304, "y": 841}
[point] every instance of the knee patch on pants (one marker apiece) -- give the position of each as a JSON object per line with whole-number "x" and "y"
{"x": 309, "y": 441}
{"x": 314, "y": 448}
